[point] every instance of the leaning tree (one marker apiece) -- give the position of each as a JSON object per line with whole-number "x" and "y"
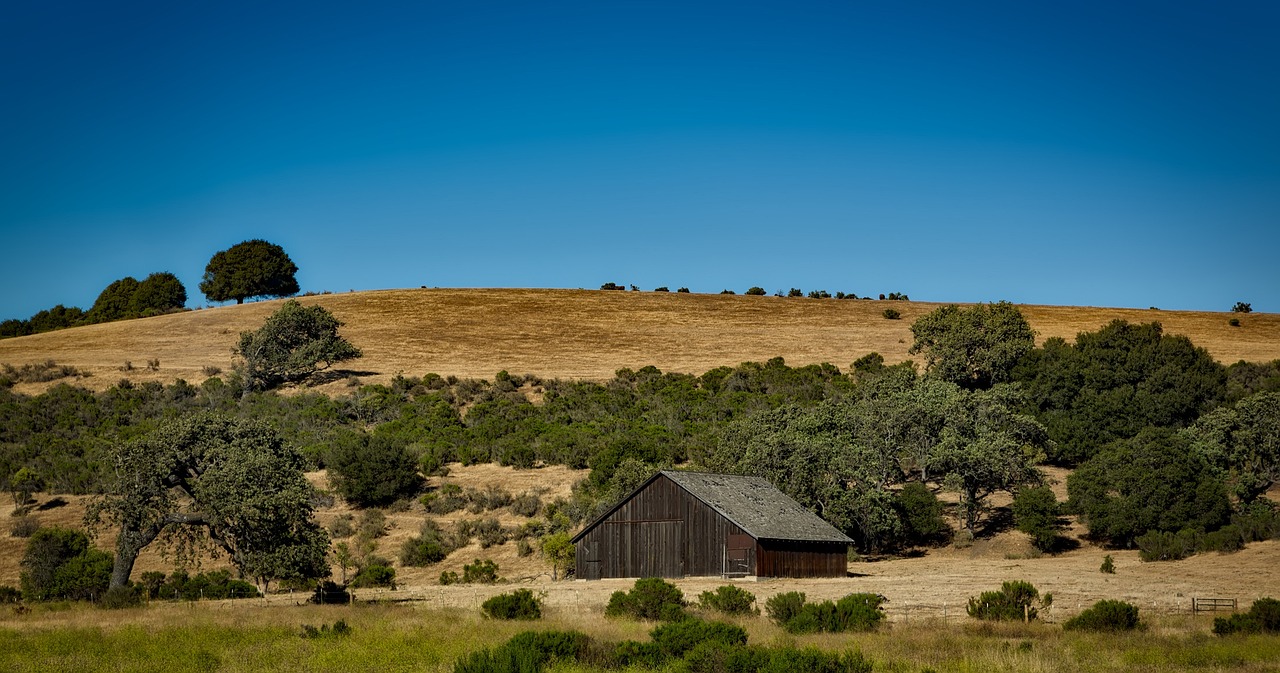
{"x": 250, "y": 269}
{"x": 294, "y": 343}
{"x": 209, "y": 484}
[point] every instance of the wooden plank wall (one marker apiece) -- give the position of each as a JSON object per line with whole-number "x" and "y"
{"x": 778, "y": 558}
{"x": 662, "y": 531}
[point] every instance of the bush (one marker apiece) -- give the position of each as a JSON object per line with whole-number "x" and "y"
{"x": 1242, "y": 307}
{"x": 1263, "y": 617}
{"x": 526, "y": 652}
{"x": 375, "y": 575}
{"x": 1035, "y": 512}
{"x": 373, "y": 473}
{"x": 661, "y": 289}
{"x": 921, "y": 514}
{"x": 490, "y": 533}
{"x": 480, "y": 572}
{"x": 1160, "y": 546}
{"x": 651, "y": 598}
{"x": 342, "y": 527}
{"x": 430, "y": 546}
{"x": 338, "y": 630}
{"x": 526, "y": 504}
{"x": 1105, "y": 615}
{"x": 1014, "y": 601}
{"x": 1234, "y": 322}
{"x": 519, "y": 604}
{"x": 729, "y": 600}
{"x": 676, "y": 638}
{"x": 119, "y": 598}
{"x": 1108, "y": 565}
{"x": 755, "y": 291}
{"x": 683, "y": 290}
{"x": 784, "y": 607}
{"x": 630, "y": 653}
{"x": 892, "y": 314}
{"x": 448, "y": 499}
{"x": 9, "y": 594}
{"x": 214, "y": 585}
{"x": 330, "y": 593}
{"x": 59, "y": 563}
{"x": 24, "y": 526}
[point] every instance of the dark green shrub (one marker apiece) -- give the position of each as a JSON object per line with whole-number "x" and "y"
{"x": 330, "y": 593}
{"x": 338, "y": 630}
{"x": 1012, "y": 602}
{"x": 676, "y": 638}
{"x": 651, "y": 598}
{"x": 373, "y": 473}
{"x": 892, "y": 314}
{"x": 1263, "y": 617}
{"x": 448, "y": 498}
{"x": 450, "y": 577}
{"x": 728, "y": 292}
{"x": 683, "y": 290}
{"x": 24, "y": 526}
{"x": 784, "y": 607}
{"x": 918, "y": 508}
{"x": 480, "y": 572}
{"x": 490, "y": 533}
{"x": 661, "y": 289}
{"x": 214, "y": 585}
{"x": 1161, "y": 546}
{"x": 1105, "y": 615}
{"x": 855, "y": 612}
{"x": 755, "y": 291}
{"x": 814, "y": 660}
{"x": 630, "y": 653}
{"x": 526, "y": 504}
{"x": 59, "y": 563}
{"x": 519, "y": 604}
{"x": 1035, "y": 512}
{"x": 9, "y": 594}
{"x": 375, "y": 575}
{"x": 1234, "y": 322}
{"x": 1227, "y": 539}
{"x": 730, "y": 600}
{"x": 430, "y": 546}
{"x": 1108, "y": 565}
{"x": 119, "y": 598}
{"x": 526, "y": 652}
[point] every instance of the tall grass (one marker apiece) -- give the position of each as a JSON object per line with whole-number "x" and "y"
{"x": 173, "y": 638}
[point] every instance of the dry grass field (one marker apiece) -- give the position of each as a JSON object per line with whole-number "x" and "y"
{"x": 585, "y": 334}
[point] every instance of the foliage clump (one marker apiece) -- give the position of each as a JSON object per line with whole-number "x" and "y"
{"x": 61, "y": 564}
{"x": 729, "y": 600}
{"x": 854, "y": 612}
{"x": 1105, "y": 615}
{"x": 217, "y": 584}
{"x": 253, "y": 268}
{"x": 1036, "y": 513}
{"x": 519, "y": 604}
{"x": 374, "y": 472}
{"x": 295, "y": 342}
{"x": 651, "y": 598}
{"x": 1263, "y": 617}
{"x": 339, "y": 629}
{"x": 1016, "y": 600}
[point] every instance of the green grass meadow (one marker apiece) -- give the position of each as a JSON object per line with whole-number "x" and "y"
{"x": 175, "y": 638}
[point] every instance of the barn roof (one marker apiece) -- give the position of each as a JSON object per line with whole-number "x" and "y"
{"x": 757, "y": 507}
{"x": 751, "y": 503}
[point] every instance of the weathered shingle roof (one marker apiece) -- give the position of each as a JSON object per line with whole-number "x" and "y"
{"x": 757, "y": 507}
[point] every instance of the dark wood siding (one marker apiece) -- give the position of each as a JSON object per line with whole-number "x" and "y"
{"x": 791, "y": 558}
{"x": 661, "y": 531}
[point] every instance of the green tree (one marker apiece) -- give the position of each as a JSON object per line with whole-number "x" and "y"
{"x": 60, "y": 563}
{"x": 294, "y": 343}
{"x": 987, "y": 447}
{"x": 755, "y": 291}
{"x": 974, "y": 348}
{"x": 160, "y": 292}
{"x": 1242, "y": 307}
{"x": 373, "y": 473}
{"x": 250, "y": 269}
{"x": 560, "y": 552}
{"x": 1244, "y": 443}
{"x": 211, "y": 483}
{"x": 1113, "y": 383}
{"x": 1153, "y": 481}
{"x": 1036, "y": 513}
{"x": 114, "y": 302}
{"x": 23, "y": 484}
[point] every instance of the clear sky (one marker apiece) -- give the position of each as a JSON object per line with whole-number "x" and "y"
{"x": 1093, "y": 153}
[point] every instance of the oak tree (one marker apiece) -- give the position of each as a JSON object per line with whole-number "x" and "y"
{"x": 250, "y": 269}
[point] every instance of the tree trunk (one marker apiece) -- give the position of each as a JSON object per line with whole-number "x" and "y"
{"x": 239, "y": 300}
{"x": 129, "y": 543}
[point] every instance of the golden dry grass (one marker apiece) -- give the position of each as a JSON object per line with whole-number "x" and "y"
{"x": 586, "y": 334}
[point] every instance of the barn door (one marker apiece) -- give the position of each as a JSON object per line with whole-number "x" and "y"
{"x": 659, "y": 546}
{"x": 737, "y": 555}
{"x": 588, "y": 558}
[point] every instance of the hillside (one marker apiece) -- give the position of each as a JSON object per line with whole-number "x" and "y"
{"x": 586, "y": 334}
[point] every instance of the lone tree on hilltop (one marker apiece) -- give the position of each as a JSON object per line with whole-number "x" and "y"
{"x": 211, "y": 483}
{"x": 250, "y": 269}
{"x": 294, "y": 343}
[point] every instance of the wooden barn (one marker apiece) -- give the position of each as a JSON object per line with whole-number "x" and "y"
{"x": 680, "y": 524}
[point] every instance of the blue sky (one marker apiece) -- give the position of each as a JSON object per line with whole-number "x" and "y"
{"x": 1093, "y": 153}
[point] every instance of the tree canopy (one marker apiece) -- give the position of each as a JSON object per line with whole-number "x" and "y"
{"x": 250, "y": 269}
{"x": 208, "y": 482}
{"x": 373, "y": 472}
{"x": 1153, "y": 481}
{"x": 1112, "y": 383}
{"x": 294, "y": 343}
{"x": 1244, "y": 442}
{"x": 974, "y": 348}
{"x": 128, "y": 298}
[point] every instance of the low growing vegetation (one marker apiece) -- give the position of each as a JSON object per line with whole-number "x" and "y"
{"x": 1015, "y": 601}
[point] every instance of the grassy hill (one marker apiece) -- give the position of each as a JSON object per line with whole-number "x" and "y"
{"x": 586, "y": 334}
